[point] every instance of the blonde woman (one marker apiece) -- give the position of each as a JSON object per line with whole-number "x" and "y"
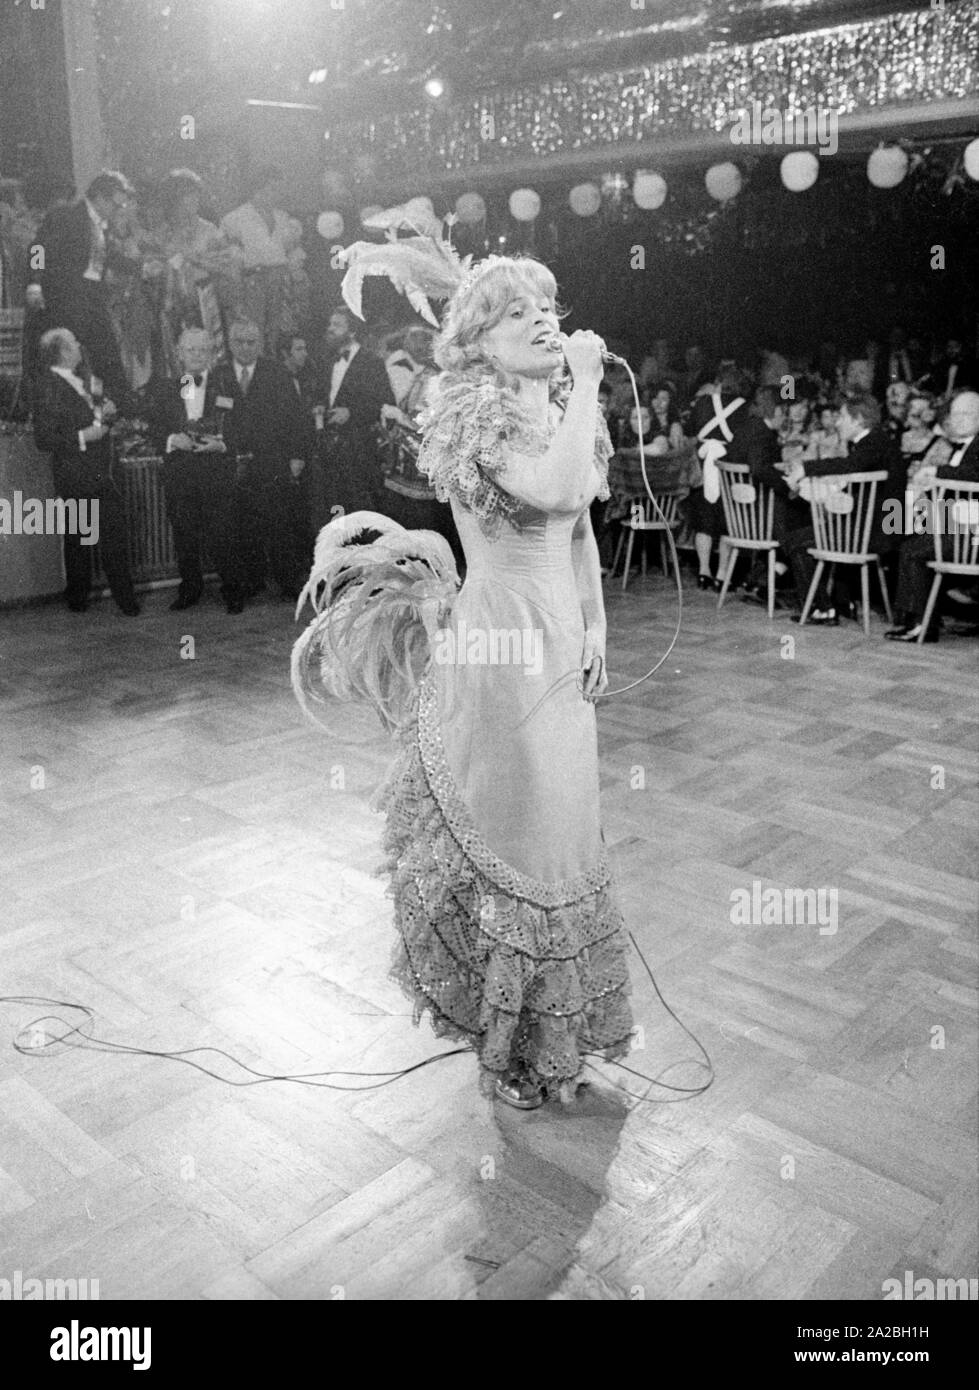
{"x": 509, "y": 935}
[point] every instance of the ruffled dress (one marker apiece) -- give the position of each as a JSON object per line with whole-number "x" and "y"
{"x": 509, "y": 935}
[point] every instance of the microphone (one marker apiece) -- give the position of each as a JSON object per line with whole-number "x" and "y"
{"x": 607, "y": 356}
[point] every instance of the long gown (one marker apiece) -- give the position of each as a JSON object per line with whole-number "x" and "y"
{"x": 508, "y": 931}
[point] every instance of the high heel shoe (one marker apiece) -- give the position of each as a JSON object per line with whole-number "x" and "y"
{"x": 707, "y": 581}
{"x": 520, "y": 1093}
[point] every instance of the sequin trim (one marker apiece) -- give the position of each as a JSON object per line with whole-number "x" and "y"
{"x": 459, "y": 821}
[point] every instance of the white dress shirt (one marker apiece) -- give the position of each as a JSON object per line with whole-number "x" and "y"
{"x": 193, "y": 399}
{"x": 240, "y": 371}
{"x": 958, "y": 454}
{"x": 96, "y": 262}
{"x": 340, "y": 369}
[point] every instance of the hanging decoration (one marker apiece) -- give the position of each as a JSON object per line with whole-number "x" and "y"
{"x": 723, "y": 181}
{"x": 470, "y": 207}
{"x": 524, "y": 204}
{"x": 799, "y": 170}
{"x": 585, "y": 199}
{"x": 648, "y": 190}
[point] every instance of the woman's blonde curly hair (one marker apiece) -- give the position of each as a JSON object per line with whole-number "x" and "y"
{"x": 478, "y": 306}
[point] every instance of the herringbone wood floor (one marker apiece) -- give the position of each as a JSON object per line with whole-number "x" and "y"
{"x": 198, "y": 868}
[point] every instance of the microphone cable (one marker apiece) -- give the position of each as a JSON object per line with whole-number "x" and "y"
{"x": 78, "y": 1036}
{"x": 607, "y": 694}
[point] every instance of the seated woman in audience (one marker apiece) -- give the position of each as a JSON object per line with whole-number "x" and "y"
{"x": 919, "y": 428}
{"x": 794, "y": 436}
{"x": 924, "y": 464}
{"x": 825, "y": 441}
{"x": 665, "y": 418}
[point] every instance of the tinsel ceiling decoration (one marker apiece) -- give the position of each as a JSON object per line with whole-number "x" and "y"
{"x": 922, "y": 56}
{"x": 556, "y": 77}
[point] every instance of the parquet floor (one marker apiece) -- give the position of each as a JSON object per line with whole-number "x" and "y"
{"x": 198, "y": 868}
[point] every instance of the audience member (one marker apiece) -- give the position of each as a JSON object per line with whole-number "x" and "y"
{"x": 70, "y": 426}
{"x": 914, "y": 577}
{"x": 358, "y": 387}
{"x": 264, "y": 428}
{"x": 77, "y": 243}
{"x": 198, "y": 474}
{"x": 872, "y": 450}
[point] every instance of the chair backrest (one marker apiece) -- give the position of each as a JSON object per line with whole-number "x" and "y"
{"x": 843, "y": 509}
{"x": 643, "y": 513}
{"x": 953, "y": 515}
{"x": 747, "y": 505}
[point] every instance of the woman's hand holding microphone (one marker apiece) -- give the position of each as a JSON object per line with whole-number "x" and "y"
{"x": 583, "y": 353}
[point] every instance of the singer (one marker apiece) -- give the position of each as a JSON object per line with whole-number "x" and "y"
{"x": 508, "y": 931}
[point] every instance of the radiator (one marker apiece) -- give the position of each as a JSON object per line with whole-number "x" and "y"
{"x": 152, "y": 557}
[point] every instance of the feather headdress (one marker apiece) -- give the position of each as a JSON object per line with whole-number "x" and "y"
{"x": 422, "y": 267}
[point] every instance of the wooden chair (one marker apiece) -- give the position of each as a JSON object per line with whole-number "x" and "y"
{"x": 955, "y": 517}
{"x": 644, "y": 517}
{"x": 843, "y": 509}
{"x": 748, "y": 508}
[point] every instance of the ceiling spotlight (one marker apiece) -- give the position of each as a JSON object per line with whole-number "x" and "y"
{"x": 318, "y": 75}
{"x": 435, "y": 88}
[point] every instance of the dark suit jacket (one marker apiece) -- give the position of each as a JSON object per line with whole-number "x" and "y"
{"x": 66, "y": 235}
{"x": 59, "y": 413}
{"x": 267, "y": 422}
{"x": 876, "y": 452}
{"x": 756, "y": 444}
{"x": 968, "y": 468}
{"x": 365, "y": 387}
{"x": 168, "y": 410}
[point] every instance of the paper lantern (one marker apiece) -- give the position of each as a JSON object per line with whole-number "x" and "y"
{"x": 971, "y": 158}
{"x": 799, "y": 170}
{"x": 524, "y": 204}
{"x": 585, "y": 199}
{"x": 329, "y": 225}
{"x": 470, "y": 207}
{"x": 648, "y": 189}
{"x": 887, "y": 166}
{"x": 723, "y": 181}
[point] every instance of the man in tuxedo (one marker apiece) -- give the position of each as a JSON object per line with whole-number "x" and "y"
{"x": 77, "y": 242}
{"x": 914, "y": 578}
{"x": 69, "y": 426}
{"x": 294, "y": 356}
{"x": 264, "y": 428}
{"x": 871, "y": 450}
{"x": 358, "y": 388}
{"x": 198, "y": 474}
